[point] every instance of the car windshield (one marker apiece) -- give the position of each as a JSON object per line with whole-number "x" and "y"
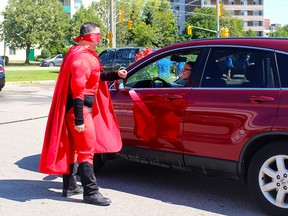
{"x": 53, "y": 56}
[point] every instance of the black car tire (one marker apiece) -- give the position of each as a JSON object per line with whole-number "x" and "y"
{"x": 268, "y": 178}
{"x": 2, "y": 83}
{"x": 51, "y": 64}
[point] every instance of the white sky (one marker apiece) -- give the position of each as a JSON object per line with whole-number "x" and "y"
{"x": 276, "y": 11}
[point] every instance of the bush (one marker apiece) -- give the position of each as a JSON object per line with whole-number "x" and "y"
{"x": 64, "y": 51}
{"x": 45, "y": 53}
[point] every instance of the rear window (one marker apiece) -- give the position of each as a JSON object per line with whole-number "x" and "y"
{"x": 283, "y": 69}
{"x": 126, "y": 54}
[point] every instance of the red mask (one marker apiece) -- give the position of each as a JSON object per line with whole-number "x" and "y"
{"x": 93, "y": 37}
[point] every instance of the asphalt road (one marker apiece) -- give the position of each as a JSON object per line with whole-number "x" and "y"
{"x": 135, "y": 189}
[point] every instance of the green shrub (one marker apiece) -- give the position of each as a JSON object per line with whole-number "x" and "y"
{"x": 45, "y": 53}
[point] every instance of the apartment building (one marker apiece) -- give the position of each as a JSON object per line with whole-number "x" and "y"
{"x": 250, "y": 11}
{"x": 71, "y": 6}
{"x": 270, "y": 28}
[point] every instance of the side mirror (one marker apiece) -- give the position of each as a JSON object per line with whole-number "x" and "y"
{"x": 119, "y": 84}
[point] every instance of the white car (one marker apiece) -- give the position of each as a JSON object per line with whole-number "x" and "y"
{"x": 54, "y": 60}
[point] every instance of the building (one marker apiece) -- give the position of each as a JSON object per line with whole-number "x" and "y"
{"x": 179, "y": 8}
{"x": 270, "y": 28}
{"x": 71, "y": 6}
{"x": 250, "y": 11}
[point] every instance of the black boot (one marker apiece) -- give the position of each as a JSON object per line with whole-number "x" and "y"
{"x": 70, "y": 186}
{"x": 91, "y": 190}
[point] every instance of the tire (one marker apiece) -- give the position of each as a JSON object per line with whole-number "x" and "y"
{"x": 98, "y": 163}
{"x": 51, "y": 64}
{"x": 268, "y": 179}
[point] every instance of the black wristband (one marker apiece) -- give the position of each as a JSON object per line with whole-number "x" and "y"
{"x": 78, "y": 111}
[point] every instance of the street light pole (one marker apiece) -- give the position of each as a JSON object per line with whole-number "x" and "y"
{"x": 112, "y": 24}
{"x": 217, "y": 18}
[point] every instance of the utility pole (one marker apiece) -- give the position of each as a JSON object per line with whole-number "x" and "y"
{"x": 217, "y": 18}
{"x": 112, "y": 23}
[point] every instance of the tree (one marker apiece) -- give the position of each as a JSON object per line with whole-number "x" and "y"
{"x": 85, "y": 15}
{"x": 34, "y": 24}
{"x": 281, "y": 32}
{"x": 165, "y": 25}
{"x": 206, "y": 18}
{"x": 156, "y": 25}
{"x": 250, "y": 33}
{"x": 133, "y": 11}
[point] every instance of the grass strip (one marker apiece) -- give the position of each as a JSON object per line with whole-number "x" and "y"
{"x": 30, "y": 75}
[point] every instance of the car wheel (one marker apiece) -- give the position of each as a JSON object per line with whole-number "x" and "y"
{"x": 98, "y": 163}
{"x": 268, "y": 178}
{"x": 51, "y": 64}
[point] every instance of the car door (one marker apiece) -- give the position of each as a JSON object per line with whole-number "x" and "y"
{"x": 150, "y": 114}
{"x": 221, "y": 118}
{"x": 58, "y": 60}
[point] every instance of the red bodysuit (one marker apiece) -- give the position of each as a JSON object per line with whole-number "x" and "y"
{"x": 79, "y": 76}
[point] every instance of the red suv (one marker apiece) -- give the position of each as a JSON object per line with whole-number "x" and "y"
{"x": 235, "y": 126}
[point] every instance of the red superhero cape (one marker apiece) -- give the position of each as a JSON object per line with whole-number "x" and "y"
{"x": 56, "y": 150}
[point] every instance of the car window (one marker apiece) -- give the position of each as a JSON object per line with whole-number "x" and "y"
{"x": 167, "y": 68}
{"x": 239, "y": 68}
{"x": 282, "y": 60}
{"x": 111, "y": 56}
{"x": 103, "y": 56}
{"x": 126, "y": 54}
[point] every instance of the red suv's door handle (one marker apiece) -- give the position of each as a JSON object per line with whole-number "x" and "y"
{"x": 260, "y": 99}
{"x": 175, "y": 97}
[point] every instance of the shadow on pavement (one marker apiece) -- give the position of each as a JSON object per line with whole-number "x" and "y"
{"x": 26, "y": 190}
{"x": 214, "y": 194}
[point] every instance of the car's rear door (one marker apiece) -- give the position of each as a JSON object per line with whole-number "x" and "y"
{"x": 220, "y": 118}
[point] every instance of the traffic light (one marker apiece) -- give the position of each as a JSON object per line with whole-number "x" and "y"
{"x": 129, "y": 25}
{"x": 110, "y": 37}
{"x": 224, "y": 32}
{"x": 220, "y": 9}
{"x": 189, "y": 30}
{"x": 121, "y": 16}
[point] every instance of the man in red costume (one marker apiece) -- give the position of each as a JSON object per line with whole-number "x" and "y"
{"x": 81, "y": 120}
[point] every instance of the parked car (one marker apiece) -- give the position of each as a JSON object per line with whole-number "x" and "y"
{"x": 2, "y": 74}
{"x": 54, "y": 60}
{"x": 114, "y": 58}
{"x": 237, "y": 128}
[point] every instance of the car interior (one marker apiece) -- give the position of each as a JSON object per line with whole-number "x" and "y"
{"x": 162, "y": 73}
{"x": 165, "y": 72}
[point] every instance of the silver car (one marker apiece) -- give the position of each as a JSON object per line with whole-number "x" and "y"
{"x": 54, "y": 60}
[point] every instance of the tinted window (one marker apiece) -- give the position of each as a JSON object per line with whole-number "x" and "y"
{"x": 282, "y": 61}
{"x": 126, "y": 54}
{"x": 239, "y": 68}
{"x": 103, "y": 57}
